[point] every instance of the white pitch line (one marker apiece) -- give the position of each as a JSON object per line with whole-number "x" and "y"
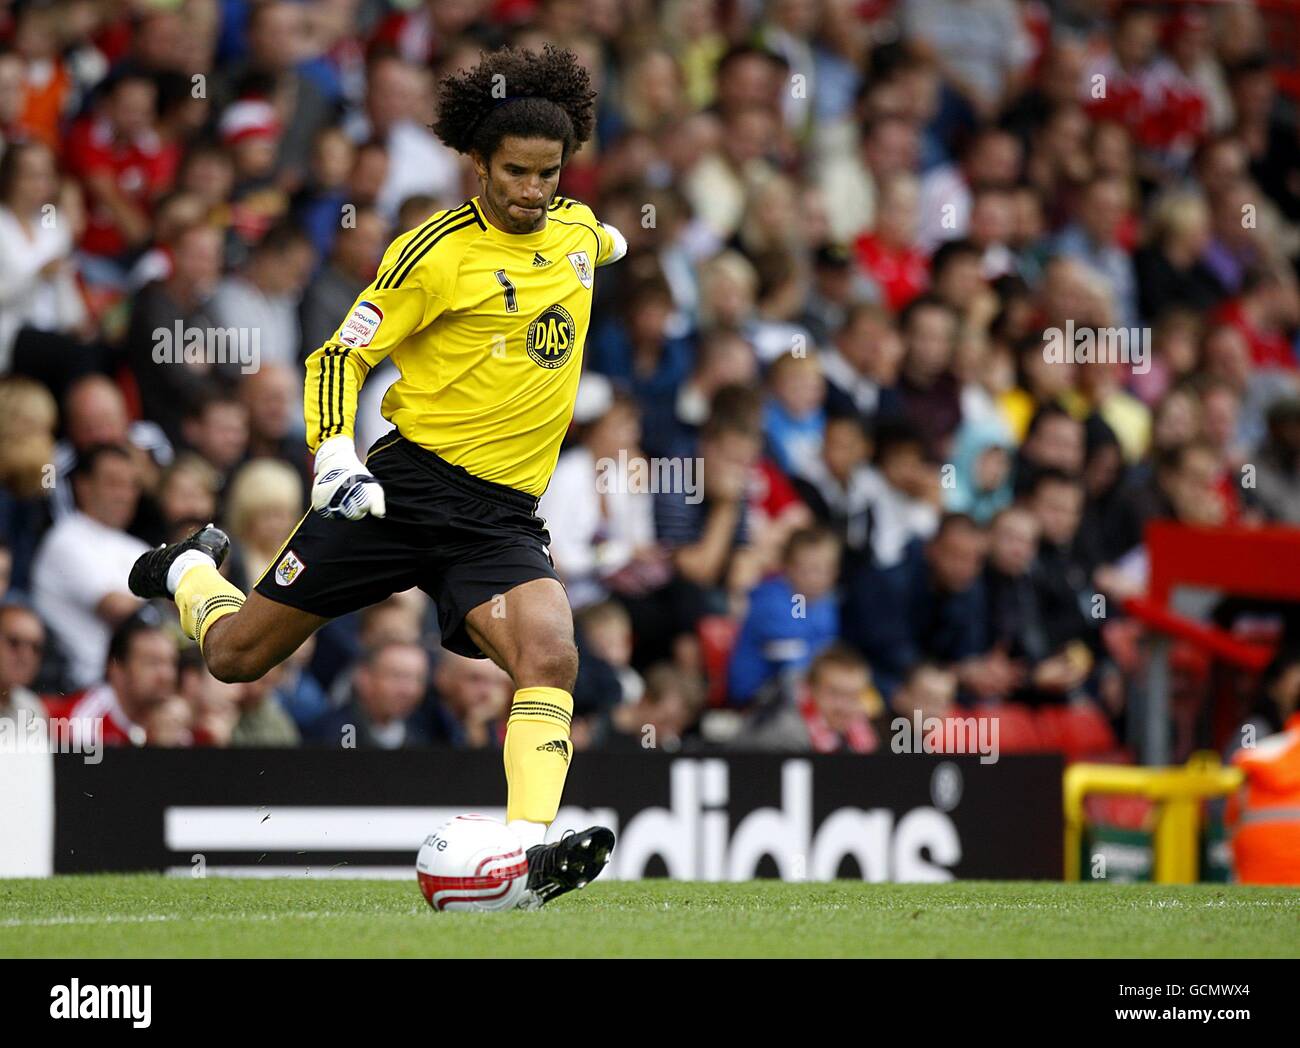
{"x": 157, "y": 918}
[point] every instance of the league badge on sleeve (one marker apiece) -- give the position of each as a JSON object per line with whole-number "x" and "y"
{"x": 363, "y": 322}
{"x": 582, "y": 266}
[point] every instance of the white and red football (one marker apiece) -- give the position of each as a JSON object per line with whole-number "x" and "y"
{"x": 472, "y": 863}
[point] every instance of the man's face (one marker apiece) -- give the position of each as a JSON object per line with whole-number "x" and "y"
{"x": 187, "y": 498}
{"x": 1013, "y": 543}
{"x": 892, "y": 148}
{"x": 290, "y": 269}
{"x": 369, "y": 173}
{"x": 133, "y": 108}
{"x": 1136, "y": 39}
{"x": 748, "y": 135}
{"x": 199, "y": 259}
{"x": 222, "y": 435}
{"x": 1227, "y": 356}
{"x": 520, "y": 181}
{"x": 12, "y": 73}
{"x": 22, "y": 643}
{"x": 470, "y": 685}
{"x": 393, "y": 685}
{"x": 874, "y": 347}
{"x": 993, "y": 218}
{"x": 1104, "y": 210}
{"x": 1191, "y": 488}
{"x": 929, "y": 343}
{"x": 619, "y": 428}
{"x": 96, "y": 415}
{"x": 393, "y": 94}
{"x": 800, "y": 388}
{"x": 960, "y": 281}
{"x": 730, "y": 453}
{"x": 1219, "y": 408}
{"x": 269, "y": 397}
{"x": 170, "y": 723}
{"x": 1223, "y": 165}
{"x": 748, "y": 81}
{"x": 904, "y": 469}
{"x": 147, "y": 676}
{"x": 735, "y": 363}
{"x": 110, "y": 493}
{"x": 669, "y": 714}
{"x": 276, "y": 36}
{"x": 1058, "y": 508}
{"x": 996, "y": 161}
{"x": 813, "y": 569}
{"x": 838, "y": 693}
{"x": 36, "y": 178}
{"x": 991, "y": 468}
{"x": 845, "y": 448}
{"x": 361, "y": 249}
{"x": 931, "y": 691}
{"x": 956, "y": 557}
{"x": 1058, "y": 442}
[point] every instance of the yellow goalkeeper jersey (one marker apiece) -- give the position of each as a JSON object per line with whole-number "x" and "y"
{"x": 487, "y": 329}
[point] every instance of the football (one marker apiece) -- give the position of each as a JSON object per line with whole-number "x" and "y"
{"x": 472, "y": 863}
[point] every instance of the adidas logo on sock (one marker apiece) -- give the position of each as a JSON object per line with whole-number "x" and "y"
{"x": 539, "y": 261}
{"x": 555, "y": 746}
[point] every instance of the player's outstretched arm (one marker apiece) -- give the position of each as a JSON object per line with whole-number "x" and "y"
{"x": 384, "y": 315}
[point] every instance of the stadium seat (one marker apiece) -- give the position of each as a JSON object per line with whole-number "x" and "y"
{"x": 1078, "y": 730}
{"x": 1018, "y": 731}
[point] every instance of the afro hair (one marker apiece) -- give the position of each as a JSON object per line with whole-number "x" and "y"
{"x": 516, "y": 92}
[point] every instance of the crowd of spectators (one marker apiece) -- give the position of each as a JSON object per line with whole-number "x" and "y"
{"x": 828, "y": 464}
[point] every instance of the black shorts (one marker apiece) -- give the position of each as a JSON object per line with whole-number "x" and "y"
{"x": 461, "y": 539}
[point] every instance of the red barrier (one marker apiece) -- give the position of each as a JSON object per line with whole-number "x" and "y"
{"x": 1263, "y": 563}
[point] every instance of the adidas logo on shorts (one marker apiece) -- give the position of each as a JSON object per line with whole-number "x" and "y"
{"x": 555, "y": 746}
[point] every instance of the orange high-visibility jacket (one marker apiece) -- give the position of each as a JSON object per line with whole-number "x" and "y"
{"x": 1265, "y": 815}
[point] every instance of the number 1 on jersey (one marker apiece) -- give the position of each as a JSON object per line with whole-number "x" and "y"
{"x": 512, "y": 301}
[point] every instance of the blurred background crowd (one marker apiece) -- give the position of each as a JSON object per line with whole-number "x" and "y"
{"x": 852, "y": 225}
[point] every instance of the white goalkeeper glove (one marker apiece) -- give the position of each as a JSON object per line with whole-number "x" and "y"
{"x": 343, "y": 486}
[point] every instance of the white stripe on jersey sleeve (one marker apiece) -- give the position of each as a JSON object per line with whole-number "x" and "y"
{"x": 620, "y": 244}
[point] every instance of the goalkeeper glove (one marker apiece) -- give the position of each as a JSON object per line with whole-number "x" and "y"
{"x": 343, "y": 486}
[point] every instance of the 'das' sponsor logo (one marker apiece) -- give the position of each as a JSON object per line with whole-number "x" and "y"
{"x": 551, "y": 337}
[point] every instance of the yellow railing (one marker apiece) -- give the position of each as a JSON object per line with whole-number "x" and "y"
{"x": 1178, "y": 792}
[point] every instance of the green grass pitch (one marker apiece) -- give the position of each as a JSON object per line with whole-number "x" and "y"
{"x": 153, "y": 916}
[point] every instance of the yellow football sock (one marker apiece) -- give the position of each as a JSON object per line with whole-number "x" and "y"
{"x": 203, "y": 597}
{"x": 537, "y": 753}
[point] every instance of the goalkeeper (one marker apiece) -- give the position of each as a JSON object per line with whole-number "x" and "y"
{"x": 484, "y": 309}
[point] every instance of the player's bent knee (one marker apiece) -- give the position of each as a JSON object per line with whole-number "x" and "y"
{"x": 548, "y": 666}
